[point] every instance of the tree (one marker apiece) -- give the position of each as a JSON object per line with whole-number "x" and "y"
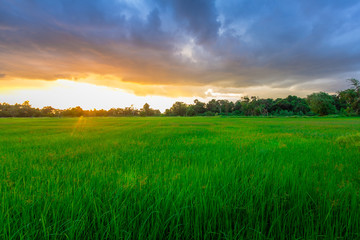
{"x": 190, "y": 111}
{"x": 212, "y": 106}
{"x": 321, "y": 103}
{"x": 225, "y": 106}
{"x": 25, "y": 110}
{"x": 4, "y": 110}
{"x": 237, "y": 110}
{"x": 199, "y": 107}
{"x": 290, "y": 105}
{"x": 168, "y": 112}
{"x": 355, "y": 83}
{"x": 74, "y": 112}
{"x": 178, "y": 109}
{"x": 48, "y": 111}
{"x": 115, "y": 112}
{"x": 146, "y": 110}
{"x": 349, "y": 99}
{"x": 245, "y": 106}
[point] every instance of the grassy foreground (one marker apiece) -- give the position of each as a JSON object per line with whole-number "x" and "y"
{"x": 180, "y": 178}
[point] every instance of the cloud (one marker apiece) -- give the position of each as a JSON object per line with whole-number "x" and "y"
{"x": 225, "y": 44}
{"x": 2, "y": 75}
{"x": 198, "y": 18}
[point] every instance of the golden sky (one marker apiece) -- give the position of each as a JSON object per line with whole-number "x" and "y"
{"x": 102, "y": 54}
{"x": 63, "y": 94}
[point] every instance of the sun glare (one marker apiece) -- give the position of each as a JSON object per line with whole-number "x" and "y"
{"x": 64, "y": 94}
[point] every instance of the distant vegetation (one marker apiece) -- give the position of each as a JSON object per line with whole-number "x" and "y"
{"x": 346, "y": 102}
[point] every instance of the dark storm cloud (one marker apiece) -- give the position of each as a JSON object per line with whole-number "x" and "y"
{"x": 199, "y": 18}
{"x": 178, "y": 42}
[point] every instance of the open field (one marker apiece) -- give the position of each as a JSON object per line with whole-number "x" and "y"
{"x": 180, "y": 178}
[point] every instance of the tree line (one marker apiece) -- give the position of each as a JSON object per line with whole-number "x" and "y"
{"x": 346, "y": 102}
{"x": 26, "y": 110}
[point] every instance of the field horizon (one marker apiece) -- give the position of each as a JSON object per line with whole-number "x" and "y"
{"x": 180, "y": 178}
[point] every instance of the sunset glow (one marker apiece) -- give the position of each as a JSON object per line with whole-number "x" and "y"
{"x": 63, "y": 94}
{"x": 105, "y": 54}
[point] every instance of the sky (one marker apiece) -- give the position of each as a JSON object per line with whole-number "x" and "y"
{"x": 115, "y": 53}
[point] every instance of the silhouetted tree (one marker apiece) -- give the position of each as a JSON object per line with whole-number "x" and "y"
{"x": 147, "y": 111}
{"x": 49, "y": 111}
{"x": 178, "y": 109}
{"x": 73, "y": 112}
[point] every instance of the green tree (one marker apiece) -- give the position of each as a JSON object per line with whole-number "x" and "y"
{"x": 178, "y": 109}
{"x": 321, "y": 103}
{"x": 225, "y": 106}
{"x": 349, "y": 99}
{"x": 199, "y": 107}
{"x": 190, "y": 111}
{"x": 212, "y": 106}
{"x": 237, "y": 110}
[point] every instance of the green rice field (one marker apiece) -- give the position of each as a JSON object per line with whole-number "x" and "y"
{"x": 180, "y": 178}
